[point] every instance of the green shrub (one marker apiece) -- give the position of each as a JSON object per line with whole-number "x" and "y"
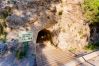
{"x": 3, "y": 15}
{"x": 72, "y": 49}
{"x": 91, "y": 10}
{"x": 90, "y": 47}
{"x": 21, "y": 53}
{"x": 2, "y": 29}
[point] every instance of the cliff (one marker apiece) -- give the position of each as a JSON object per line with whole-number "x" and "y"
{"x": 62, "y": 18}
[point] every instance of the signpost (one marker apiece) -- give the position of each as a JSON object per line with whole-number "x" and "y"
{"x": 25, "y": 36}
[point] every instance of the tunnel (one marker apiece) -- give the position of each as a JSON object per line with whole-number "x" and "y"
{"x": 43, "y": 35}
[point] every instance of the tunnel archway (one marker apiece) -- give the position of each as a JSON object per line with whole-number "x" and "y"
{"x": 43, "y": 35}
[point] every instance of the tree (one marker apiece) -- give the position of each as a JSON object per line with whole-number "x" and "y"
{"x": 91, "y": 10}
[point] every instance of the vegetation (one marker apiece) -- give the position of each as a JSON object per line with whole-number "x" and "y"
{"x": 2, "y": 28}
{"x": 3, "y": 15}
{"x": 22, "y": 52}
{"x": 91, "y": 10}
{"x": 92, "y": 46}
{"x": 72, "y": 49}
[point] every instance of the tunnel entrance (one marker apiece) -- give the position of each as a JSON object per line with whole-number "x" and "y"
{"x": 43, "y": 35}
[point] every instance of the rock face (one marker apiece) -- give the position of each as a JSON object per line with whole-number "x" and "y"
{"x": 71, "y": 32}
{"x": 63, "y": 18}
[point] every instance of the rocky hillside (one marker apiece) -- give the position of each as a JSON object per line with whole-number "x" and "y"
{"x": 62, "y": 18}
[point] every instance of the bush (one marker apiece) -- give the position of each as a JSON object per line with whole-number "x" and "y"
{"x": 2, "y": 31}
{"x": 91, "y": 10}
{"x": 3, "y": 15}
{"x": 90, "y": 47}
{"x": 21, "y": 53}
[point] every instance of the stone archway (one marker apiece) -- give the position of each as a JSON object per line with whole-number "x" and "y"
{"x": 43, "y": 35}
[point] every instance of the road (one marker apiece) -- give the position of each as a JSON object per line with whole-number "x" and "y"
{"x": 92, "y": 62}
{"x": 48, "y": 55}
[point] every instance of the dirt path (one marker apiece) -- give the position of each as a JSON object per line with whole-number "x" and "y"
{"x": 50, "y": 56}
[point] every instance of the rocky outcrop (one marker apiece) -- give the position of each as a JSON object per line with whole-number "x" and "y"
{"x": 71, "y": 31}
{"x": 63, "y": 18}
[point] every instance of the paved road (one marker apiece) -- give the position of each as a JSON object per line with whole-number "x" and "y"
{"x": 91, "y": 62}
